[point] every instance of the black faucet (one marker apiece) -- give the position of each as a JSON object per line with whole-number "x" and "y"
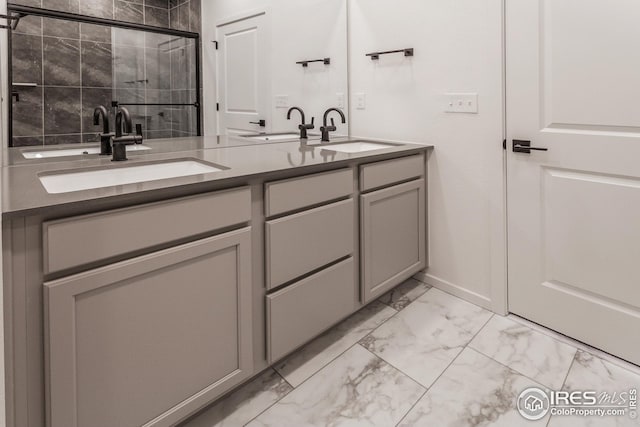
{"x": 124, "y": 137}
{"x": 106, "y": 135}
{"x": 303, "y": 127}
{"x": 326, "y": 129}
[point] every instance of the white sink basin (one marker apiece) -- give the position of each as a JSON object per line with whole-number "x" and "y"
{"x": 356, "y": 147}
{"x": 99, "y": 178}
{"x": 275, "y": 137}
{"x": 46, "y": 154}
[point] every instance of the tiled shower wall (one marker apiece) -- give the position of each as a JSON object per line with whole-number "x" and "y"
{"x": 70, "y": 68}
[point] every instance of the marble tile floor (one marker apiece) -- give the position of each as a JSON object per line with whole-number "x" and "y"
{"x": 421, "y": 357}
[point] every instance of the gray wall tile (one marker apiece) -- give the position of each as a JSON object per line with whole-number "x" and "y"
{"x": 28, "y": 141}
{"x": 128, "y": 66}
{"x": 27, "y": 114}
{"x": 97, "y": 64}
{"x": 130, "y": 95}
{"x": 58, "y": 28}
{"x": 62, "y": 139}
{"x": 26, "y": 58}
{"x": 72, "y": 6}
{"x": 61, "y": 61}
{"x": 124, "y": 37}
{"x": 158, "y": 71}
{"x": 99, "y": 8}
{"x": 61, "y": 110}
{"x": 156, "y": 16}
{"x": 195, "y": 20}
{"x": 33, "y": 3}
{"x": 128, "y": 12}
{"x": 97, "y": 33}
{"x": 164, "y": 4}
{"x": 29, "y": 25}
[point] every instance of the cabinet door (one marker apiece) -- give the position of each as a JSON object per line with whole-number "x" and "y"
{"x": 149, "y": 340}
{"x": 393, "y": 237}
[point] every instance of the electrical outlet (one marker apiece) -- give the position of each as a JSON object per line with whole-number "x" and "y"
{"x": 282, "y": 101}
{"x": 461, "y": 103}
{"x": 340, "y": 100}
{"x": 361, "y": 101}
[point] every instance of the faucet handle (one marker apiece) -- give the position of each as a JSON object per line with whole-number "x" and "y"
{"x": 310, "y": 125}
{"x": 138, "y": 137}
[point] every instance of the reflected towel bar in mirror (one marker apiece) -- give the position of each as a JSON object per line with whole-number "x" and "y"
{"x": 325, "y": 61}
{"x": 376, "y": 55}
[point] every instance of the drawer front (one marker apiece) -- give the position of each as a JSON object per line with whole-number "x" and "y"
{"x": 296, "y": 193}
{"x": 303, "y": 310}
{"x": 301, "y": 243}
{"x": 376, "y": 175}
{"x": 77, "y": 241}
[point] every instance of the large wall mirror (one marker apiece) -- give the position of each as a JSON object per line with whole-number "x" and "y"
{"x": 65, "y": 61}
{"x": 273, "y": 55}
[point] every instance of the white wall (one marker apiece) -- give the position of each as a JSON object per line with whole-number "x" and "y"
{"x": 458, "y": 48}
{"x": 300, "y": 29}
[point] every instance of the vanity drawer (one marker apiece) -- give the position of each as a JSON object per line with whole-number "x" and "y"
{"x": 301, "y": 243}
{"x": 303, "y": 310}
{"x": 376, "y": 175}
{"x": 82, "y": 240}
{"x": 297, "y": 193}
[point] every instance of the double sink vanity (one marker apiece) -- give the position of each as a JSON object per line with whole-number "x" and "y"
{"x": 139, "y": 292}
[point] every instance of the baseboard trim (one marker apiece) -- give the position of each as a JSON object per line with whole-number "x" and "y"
{"x": 454, "y": 290}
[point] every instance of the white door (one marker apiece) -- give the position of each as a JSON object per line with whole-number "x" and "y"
{"x": 573, "y": 87}
{"x": 243, "y": 72}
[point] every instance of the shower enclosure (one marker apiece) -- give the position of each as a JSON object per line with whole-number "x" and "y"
{"x": 64, "y": 64}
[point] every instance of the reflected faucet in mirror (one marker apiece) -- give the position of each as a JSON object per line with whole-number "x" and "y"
{"x": 326, "y": 129}
{"x": 123, "y": 136}
{"x": 106, "y": 135}
{"x": 303, "y": 149}
{"x": 303, "y": 126}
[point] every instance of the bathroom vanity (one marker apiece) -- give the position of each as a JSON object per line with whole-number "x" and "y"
{"x": 139, "y": 304}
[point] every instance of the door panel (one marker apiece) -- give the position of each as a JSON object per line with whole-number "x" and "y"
{"x": 149, "y": 340}
{"x": 244, "y": 76}
{"x": 392, "y": 236}
{"x": 583, "y": 234}
{"x": 590, "y": 59}
{"x": 574, "y": 210}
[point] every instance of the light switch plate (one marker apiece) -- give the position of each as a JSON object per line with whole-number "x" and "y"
{"x": 282, "y": 101}
{"x": 361, "y": 101}
{"x": 461, "y": 103}
{"x": 340, "y": 100}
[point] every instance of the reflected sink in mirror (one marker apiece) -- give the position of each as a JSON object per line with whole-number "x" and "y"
{"x": 47, "y": 154}
{"x": 66, "y": 182}
{"x": 356, "y": 146}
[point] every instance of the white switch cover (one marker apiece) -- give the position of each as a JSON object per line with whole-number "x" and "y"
{"x": 461, "y": 103}
{"x": 361, "y": 101}
{"x": 340, "y": 100}
{"x": 282, "y": 101}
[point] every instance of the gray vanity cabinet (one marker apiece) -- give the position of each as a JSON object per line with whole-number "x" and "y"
{"x": 132, "y": 342}
{"x": 310, "y": 257}
{"x": 392, "y": 226}
{"x": 151, "y": 318}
